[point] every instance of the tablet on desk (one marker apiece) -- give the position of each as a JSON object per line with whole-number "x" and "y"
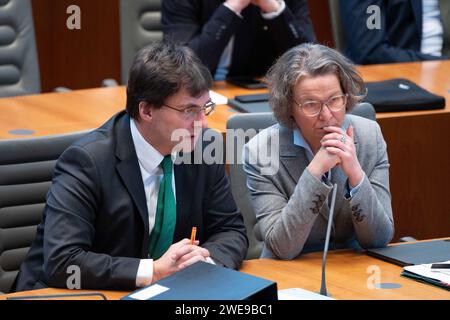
{"x": 249, "y": 98}
{"x": 246, "y": 82}
{"x": 250, "y": 107}
{"x": 251, "y": 103}
{"x": 414, "y": 253}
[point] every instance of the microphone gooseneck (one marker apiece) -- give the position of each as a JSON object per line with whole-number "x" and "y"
{"x": 323, "y": 286}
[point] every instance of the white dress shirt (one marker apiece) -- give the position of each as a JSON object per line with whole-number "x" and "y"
{"x": 149, "y": 162}
{"x": 432, "y": 29}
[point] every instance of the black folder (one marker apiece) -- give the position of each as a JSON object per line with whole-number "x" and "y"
{"x": 401, "y": 95}
{"x": 205, "y": 281}
{"x": 414, "y": 253}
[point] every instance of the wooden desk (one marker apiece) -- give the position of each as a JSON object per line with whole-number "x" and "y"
{"x": 53, "y": 113}
{"x": 348, "y": 274}
{"x": 418, "y": 142}
{"x": 347, "y": 278}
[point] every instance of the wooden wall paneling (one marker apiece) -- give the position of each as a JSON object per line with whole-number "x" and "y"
{"x": 77, "y": 58}
{"x": 420, "y": 167}
{"x": 81, "y": 59}
{"x": 321, "y": 20}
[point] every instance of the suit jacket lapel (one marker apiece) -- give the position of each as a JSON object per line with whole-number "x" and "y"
{"x": 444, "y": 7}
{"x": 417, "y": 10}
{"x": 129, "y": 171}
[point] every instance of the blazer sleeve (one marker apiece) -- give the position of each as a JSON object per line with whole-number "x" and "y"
{"x": 226, "y": 234}
{"x": 285, "y": 222}
{"x": 371, "y": 206}
{"x": 70, "y": 228}
{"x": 369, "y": 46}
{"x": 181, "y": 23}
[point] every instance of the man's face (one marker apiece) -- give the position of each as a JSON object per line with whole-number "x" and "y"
{"x": 172, "y": 128}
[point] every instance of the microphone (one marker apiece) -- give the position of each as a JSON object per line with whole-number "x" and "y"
{"x": 323, "y": 286}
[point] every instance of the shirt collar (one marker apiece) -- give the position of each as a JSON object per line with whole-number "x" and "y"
{"x": 148, "y": 157}
{"x": 301, "y": 142}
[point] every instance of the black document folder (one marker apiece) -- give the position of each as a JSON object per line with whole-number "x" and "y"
{"x": 401, "y": 95}
{"x": 414, "y": 253}
{"x": 205, "y": 281}
{"x": 425, "y": 279}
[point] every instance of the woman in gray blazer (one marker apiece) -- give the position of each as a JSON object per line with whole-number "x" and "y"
{"x": 317, "y": 144}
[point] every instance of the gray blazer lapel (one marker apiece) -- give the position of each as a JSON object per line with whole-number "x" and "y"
{"x": 292, "y": 157}
{"x": 355, "y": 136}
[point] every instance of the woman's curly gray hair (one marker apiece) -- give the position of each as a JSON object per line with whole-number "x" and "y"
{"x": 312, "y": 60}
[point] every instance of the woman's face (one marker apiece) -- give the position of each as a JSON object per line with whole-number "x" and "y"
{"x": 317, "y": 88}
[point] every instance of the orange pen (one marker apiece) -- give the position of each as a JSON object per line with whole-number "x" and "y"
{"x": 193, "y": 233}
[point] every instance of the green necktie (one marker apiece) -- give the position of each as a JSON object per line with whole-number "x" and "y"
{"x": 161, "y": 237}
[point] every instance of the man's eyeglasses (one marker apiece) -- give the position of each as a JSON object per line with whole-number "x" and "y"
{"x": 193, "y": 112}
{"x": 313, "y": 108}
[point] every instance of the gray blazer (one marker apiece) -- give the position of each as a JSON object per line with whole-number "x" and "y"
{"x": 292, "y": 206}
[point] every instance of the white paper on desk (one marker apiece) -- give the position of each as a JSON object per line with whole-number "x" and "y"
{"x": 425, "y": 271}
{"x": 300, "y": 294}
{"x": 149, "y": 292}
{"x": 217, "y": 98}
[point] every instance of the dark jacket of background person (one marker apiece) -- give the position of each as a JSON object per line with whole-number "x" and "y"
{"x": 398, "y": 39}
{"x": 207, "y": 26}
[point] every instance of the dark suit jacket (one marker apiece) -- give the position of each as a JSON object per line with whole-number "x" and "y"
{"x": 399, "y": 38}
{"x": 206, "y": 26}
{"x": 96, "y": 214}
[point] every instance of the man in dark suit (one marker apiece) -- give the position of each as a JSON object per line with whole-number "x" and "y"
{"x": 116, "y": 211}
{"x": 402, "y": 35}
{"x": 237, "y": 37}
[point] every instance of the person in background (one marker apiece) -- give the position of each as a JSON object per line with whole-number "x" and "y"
{"x": 237, "y": 37}
{"x": 410, "y": 30}
{"x": 119, "y": 209}
{"x": 311, "y": 90}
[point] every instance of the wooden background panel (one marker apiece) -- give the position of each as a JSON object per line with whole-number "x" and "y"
{"x": 419, "y": 155}
{"x": 77, "y": 58}
{"x": 81, "y": 59}
{"x": 321, "y": 20}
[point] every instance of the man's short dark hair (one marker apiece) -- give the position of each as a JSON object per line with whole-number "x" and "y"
{"x": 160, "y": 70}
